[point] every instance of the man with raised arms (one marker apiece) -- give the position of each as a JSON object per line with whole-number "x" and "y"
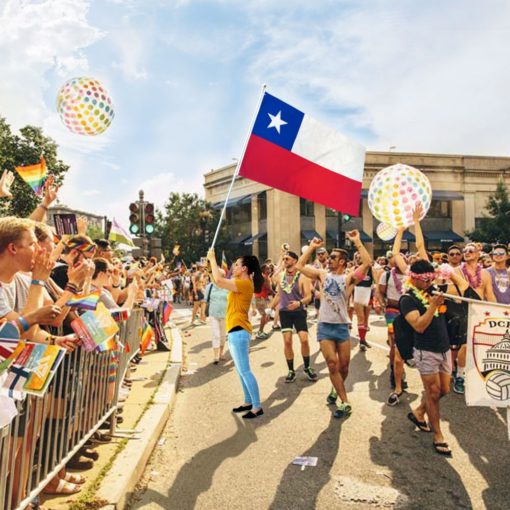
{"x": 333, "y": 326}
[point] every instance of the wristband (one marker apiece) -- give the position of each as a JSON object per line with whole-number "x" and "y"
{"x": 53, "y": 340}
{"x": 25, "y": 326}
{"x": 38, "y": 282}
{"x": 358, "y": 274}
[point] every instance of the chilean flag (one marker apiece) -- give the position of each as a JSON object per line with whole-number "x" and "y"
{"x": 292, "y": 152}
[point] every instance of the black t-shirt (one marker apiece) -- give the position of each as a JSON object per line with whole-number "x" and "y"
{"x": 435, "y": 337}
{"x": 59, "y": 274}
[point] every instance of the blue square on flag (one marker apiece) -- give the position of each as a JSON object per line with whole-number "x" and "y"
{"x": 277, "y": 122}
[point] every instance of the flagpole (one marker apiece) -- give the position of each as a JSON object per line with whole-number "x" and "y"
{"x": 239, "y": 163}
{"x": 468, "y": 300}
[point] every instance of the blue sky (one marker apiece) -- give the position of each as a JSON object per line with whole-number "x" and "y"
{"x": 185, "y": 75}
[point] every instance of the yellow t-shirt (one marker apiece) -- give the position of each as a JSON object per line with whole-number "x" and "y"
{"x": 238, "y": 305}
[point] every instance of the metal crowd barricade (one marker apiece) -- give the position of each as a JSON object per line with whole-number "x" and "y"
{"x": 49, "y": 431}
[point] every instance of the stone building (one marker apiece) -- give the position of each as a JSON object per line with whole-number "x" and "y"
{"x": 262, "y": 218}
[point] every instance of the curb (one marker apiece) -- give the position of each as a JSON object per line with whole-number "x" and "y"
{"x": 120, "y": 481}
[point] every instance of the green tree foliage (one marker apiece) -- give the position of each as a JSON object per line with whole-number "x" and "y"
{"x": 495, "y": 227}
{"x": 189, "y": 221}
{"x": 21, "y": 150}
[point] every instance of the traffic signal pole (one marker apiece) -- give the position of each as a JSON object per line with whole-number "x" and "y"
{"x": 142, "y": 220}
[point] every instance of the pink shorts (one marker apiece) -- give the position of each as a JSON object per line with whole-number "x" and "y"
{"x": 429, "y": 363}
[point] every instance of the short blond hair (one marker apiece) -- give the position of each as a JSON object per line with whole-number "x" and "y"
{"x": 11, "y": 230}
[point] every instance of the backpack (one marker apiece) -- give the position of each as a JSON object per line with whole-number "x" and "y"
{"x": 404, "y": 337}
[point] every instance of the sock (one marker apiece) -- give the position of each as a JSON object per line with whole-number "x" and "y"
{"x": 290, "y": 364}
{"x": 362, "y": 332}
{"x": 306, "y": 359}
{"x": 460, "y": 371}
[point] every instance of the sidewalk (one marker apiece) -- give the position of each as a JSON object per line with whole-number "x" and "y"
{"x": 147, "y": 378}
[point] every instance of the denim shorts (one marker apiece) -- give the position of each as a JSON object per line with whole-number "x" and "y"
{"x": 337, "y": 332}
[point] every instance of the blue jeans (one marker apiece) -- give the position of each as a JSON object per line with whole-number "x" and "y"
{"x": 239, "y": 344}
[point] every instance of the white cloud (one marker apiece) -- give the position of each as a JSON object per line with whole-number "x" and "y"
{"x": 131, "y": 45}
{"x": 421, "y": 76}
{"x": 91, "y": 193}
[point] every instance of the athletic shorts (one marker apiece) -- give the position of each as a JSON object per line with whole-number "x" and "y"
{"x": 430, "y": 363}
{"x": 362, "y": 295}
{"x": 390, "y": 314}
{"x": 337, "y": 332}
{"x": 200, "y": 296}
{"x": 261, "y": 304}
{"x": 295, "y": 319}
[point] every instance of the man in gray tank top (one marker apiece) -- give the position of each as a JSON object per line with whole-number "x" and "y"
{"x": 333, "y": 327}
{"x": 293, "y": 294}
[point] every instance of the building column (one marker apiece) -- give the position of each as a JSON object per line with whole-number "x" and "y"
{"x": 458, "y": 217}
{"x": 255, "y": 222}
{"x": 319, "y": 211}
{"x": 283, "y": 222}
{"x": 367, "y": 220}
{"x": 469, "y": 211}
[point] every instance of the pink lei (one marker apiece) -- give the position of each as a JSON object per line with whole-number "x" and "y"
{"x": 396, "y": 280}
{"x": 476, "y": 280}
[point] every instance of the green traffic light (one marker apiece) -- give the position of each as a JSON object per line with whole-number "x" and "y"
{"x": 134, "y": 228}
{"x": 346, "y": 217}
{"x": 149, "y": 229}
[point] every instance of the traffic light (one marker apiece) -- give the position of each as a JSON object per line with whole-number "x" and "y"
{"x": 134, "y": 218}
{"x": 149, "y": 218}
{"x": 346, "y": 218}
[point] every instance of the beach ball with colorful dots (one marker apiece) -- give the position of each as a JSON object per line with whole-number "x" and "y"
{"x": 395, "y": 192}
{"x": 386, "y": 232}
{"x": 84, "y": 106}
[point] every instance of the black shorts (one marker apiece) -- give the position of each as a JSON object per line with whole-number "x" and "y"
{"x": 295, "y": 319}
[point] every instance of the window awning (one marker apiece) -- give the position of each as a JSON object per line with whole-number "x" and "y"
{"x": 444, "y": 236}
{"x": 245, "y": 199}
{"x": 236, "y": 242}
{"x": 309, "y": 234}
{"x": 365, "y": 238}
{"x": 261, "y": 236}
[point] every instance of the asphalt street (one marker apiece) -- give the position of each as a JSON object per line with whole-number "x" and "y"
{"x": 210, "y": 458}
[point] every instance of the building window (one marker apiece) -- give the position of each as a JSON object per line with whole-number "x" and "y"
{"x": 440, "y": 209}
{"x": 306, "y": 208}
{"x": 262, "y": 205}
{"x": 330, "y": 213}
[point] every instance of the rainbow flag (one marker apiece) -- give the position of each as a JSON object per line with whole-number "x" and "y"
{"x": 224, "y": 264}
{"x": 147, "y": 336}
{"x": 108, "y": 345}
{"x": 34, "y": 175}
{"x": 167, "y": 310}
{"x": 87, "y": 302}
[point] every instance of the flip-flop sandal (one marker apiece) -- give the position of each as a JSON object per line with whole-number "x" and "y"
{"x": 422, "y": 425}
{"x": 64, "y": 487}
{"x": 442, "y": 449}
{"x": 74, "y": 478}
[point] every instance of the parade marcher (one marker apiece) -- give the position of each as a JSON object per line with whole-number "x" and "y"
{"x": 247, "y": 278}
{"x": 217, "y": 300}
{"x": 321, "y": 262}
{"x": 362, "y": 297}
{"x": 500, "y": 274}
{"x": 421, "y": 310}
{"x": 480, "y": 281}
{"x": 332, "y": 330}
{"x": 198, "y": 285}
{"x": 293, "y": 294}
{"x": 262, "y": 302}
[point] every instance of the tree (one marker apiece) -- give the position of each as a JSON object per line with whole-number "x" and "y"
{"x": 496, "y": 227}
{"x": 189, "y": 221}
{"x": 26, "y": 149}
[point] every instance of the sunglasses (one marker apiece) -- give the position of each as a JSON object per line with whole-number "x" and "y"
{"x": 499, "y": 253}
{"x": 333, "y": 257}
{"x": 455, "y": 254}
{"x": 469, "y": 250}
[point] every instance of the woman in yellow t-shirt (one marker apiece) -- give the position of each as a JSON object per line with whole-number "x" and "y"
{"x": 247, "y": 278}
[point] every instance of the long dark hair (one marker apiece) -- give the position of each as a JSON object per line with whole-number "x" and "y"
{"x": 252, "y": 263}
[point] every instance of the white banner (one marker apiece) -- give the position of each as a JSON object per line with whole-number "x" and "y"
{"x": 488, "y": 355}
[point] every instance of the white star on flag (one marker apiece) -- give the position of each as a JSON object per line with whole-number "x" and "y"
{"x": 276, "y": 121}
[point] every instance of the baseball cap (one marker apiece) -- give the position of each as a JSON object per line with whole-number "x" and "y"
{"x": 322, "y": 250}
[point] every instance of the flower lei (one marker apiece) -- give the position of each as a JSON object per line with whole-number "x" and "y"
{"x": 396, "y": 280}
{"x": 476, "y": 280}
{"x": 285, "y": 285}
{"x": 423, "y": 298}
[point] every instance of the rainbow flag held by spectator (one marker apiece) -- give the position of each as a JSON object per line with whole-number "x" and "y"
{"x": 87, "y": 302}
{"x": 224, "y": 264}
{"x": 10, "y": 349}
{"x": 34, "y": 175}
{"x": 147, "y": 336}
{"x": 167, "y": 310}
{"x": 109, "y": 345}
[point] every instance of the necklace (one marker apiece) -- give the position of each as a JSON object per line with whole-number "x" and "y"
{"x": 476, "y": 280}
{"x": 396, "y": 280}
{"x": 285, "y": 285}
{"x": 423, "y": 298}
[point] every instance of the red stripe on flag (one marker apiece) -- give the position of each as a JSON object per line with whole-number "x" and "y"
{"x": 279, "y": 168}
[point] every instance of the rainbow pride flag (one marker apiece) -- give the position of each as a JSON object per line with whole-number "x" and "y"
{"x": 87, "y": 302}
{"x": 147, "y": 336}
{"x": 34, "y": 175}
{"x": 109, "y": 345}
{"x": 167, "y": 310}
{"x": 224, "y": 264}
